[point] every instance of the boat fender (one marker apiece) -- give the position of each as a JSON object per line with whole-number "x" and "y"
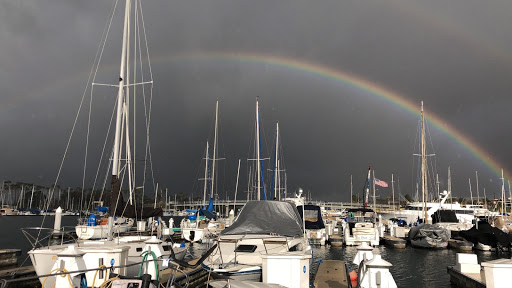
{"x": 353, "y": 275}
{"x": 92, "y": 220}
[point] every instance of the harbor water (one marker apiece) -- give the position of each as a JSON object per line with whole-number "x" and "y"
{"x": 412, "y": 267}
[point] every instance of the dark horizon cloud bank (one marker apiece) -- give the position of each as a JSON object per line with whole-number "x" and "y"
{"x": 322, "y": 69}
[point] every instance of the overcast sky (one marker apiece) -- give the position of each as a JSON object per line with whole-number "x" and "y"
{"x": 456, "y": 56}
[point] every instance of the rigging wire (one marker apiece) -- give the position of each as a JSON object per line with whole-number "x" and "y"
{"x": 97, "y": 58}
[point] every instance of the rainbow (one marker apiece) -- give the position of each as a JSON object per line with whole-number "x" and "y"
{"x": 358, "y": 82}
{"x": 321, "y": 71}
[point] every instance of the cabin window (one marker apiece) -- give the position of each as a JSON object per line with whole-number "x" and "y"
{"x": 167, "y": 247}
{"x": 138, "y": 249}
{"x": 311, "y": 215}
{"x": 245, "y": 248}
{"x": 294, "y": 248}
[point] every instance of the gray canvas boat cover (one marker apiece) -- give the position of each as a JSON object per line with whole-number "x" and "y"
{"x": 267, "y": 217}
{"x": 429, "y": 236}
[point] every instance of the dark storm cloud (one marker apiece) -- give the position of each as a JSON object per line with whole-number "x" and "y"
{"x": 449, "y": 55}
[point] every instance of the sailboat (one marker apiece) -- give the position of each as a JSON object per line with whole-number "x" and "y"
{"x": 195, "y": 227}
{"x": 121, "y": 250}
{"x": 427, "y": 235}
{"x": 261, "y": 228}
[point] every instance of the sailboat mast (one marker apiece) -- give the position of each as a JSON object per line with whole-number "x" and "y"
{"x": 275, "y": 163}
{"x": 31, "y": 197}
{"x": 477, "y": 189}
{"x": 502, "y": 193}
{"x": 393, "y": 190}
{"x": 423, "y": 165}
{"x": 510, "y": 193}
{"x": 120, "y": 104}
{"x": 214, "y": 149}
{"x": 205, "y": 174}
{"x": 279, "y": 179}
{"x": 258, "y": 150}
{"x": 470, "y": 191}
{"x": 374, "y": 201}
{"x": 450, "y": 184}
{"x": 367, "y": 187}
{"x": 236, "y": 187}
{"x": 350, "y": 190}
{"x": 437, "y": 182}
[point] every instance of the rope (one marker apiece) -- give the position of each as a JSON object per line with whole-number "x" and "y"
{"x": 145, "y": 255}
{"x": 103, "y": 267}
{"x": 108, "y": 283}
{"x": 63, "y": 275}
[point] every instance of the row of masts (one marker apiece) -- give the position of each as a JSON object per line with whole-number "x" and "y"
{"x": 20, "y": 200}
{"x": 276, "y": 182}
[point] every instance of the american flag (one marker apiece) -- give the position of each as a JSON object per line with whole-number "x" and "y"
{"x": 380, "y": 183}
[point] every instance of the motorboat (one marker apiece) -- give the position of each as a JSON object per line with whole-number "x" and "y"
{"x": 261, "y": 228}
{"x": 314, "y": 224}
{"x": 360, "y": 227}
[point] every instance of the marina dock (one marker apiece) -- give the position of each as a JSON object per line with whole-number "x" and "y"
{"x": 20, "y": 276}
{"x": 331, "y": 273}
{"x": 461, "y": 245}
{"x": 469, "y": 280}
{"x": 394, "y": 242}
{"x": 9, "y": 257}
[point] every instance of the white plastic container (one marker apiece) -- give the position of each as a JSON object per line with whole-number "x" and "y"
{"x": 141, "y": 225}
{"x": 288, "y": 269}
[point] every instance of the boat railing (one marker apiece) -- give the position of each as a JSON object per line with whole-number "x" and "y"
{"x": 227, "y": 241}
{"x": 274, "y": 241}
{"x": 39, "y": 237}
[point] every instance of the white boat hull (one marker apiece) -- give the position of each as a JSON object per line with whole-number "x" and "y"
{"x": 85, "y": 232}
{"x": 192, "y": 234}
{"x": 44, "y": 258}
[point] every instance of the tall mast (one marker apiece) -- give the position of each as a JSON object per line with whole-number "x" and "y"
{"x": 205, "y": 174}
{"x": 477, "y": 190}
{"x": 258, "y": 150}
{"x": 236, "y": 187}
{"x": 279, "y": 179}
{"x": 214, "y": 149}
{"x": 437, "y": 182}
{"x": 275, "y": 162}
{"x": 423, "y": 165}
{"x": 450, "y": 183}
{"x": 485, "y": 199}
{"x": 120, "y": 104}
{"x": 166, "y": 200}
{"x": 470, "y": 191}
{"x": 350, "y": 190}
{"x": 510, "y": 193}
{"x": 366, "y": 189}
{"x": 31, "y": 197}
{"x": 393, "y": 190}
{"x": 374, "y": 201}
{"x": 502, "y": 193}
